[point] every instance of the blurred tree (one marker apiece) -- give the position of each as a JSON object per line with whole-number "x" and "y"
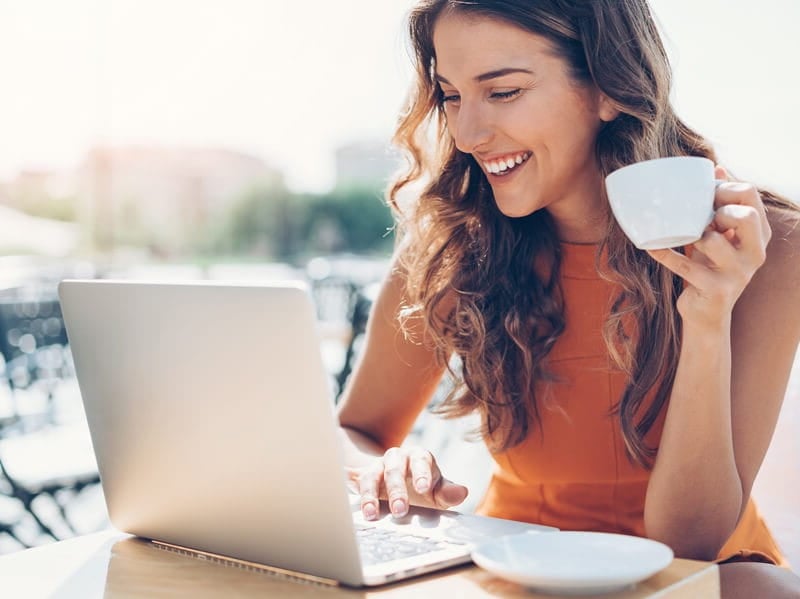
{"x": 129, "y": 230}
{"x": 360, "y": 215}
{"x": 45, "y": 206}
{"x": 275, "y": 223}
{"x": 264, "y": 222}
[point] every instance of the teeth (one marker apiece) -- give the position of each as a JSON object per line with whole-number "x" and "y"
{"x": 505, "y": 164}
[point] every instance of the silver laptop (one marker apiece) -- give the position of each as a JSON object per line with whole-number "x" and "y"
{"x": 212, "y": 422}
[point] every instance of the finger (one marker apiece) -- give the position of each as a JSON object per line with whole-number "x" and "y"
{"x": 747, "y": 226}
{"x": 697, "y": 255}
{"x": 369, "y": 481}
{"x": 420, "y": 462}
{"x": 721, "y": 173}
{"x": 745, "y": 194}
{"x": 395, "y": 469}
{"x": 693, "y": 270}
{"x": 447, "y": 493}
{"x": 737, "y": 192}
{"x": 351, "y": 479}
{"x": 718, "y": 251}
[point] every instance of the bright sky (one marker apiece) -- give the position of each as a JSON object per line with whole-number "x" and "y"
{"x": 289, "y": 81}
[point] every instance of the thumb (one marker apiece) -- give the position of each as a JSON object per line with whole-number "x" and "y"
{"x": 720, "y": 172}
{"x": 448, "y": 493}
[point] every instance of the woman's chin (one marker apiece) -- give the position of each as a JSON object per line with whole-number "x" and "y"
{"x": 514, "y": 209}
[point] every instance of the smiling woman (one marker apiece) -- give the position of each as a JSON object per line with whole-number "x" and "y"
{"x": 530, "y": 163}
{"x": 619, "y": 390}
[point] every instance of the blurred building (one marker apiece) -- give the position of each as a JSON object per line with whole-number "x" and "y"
{"x": 166, "y": 191}
{"x": 139, "y": 194}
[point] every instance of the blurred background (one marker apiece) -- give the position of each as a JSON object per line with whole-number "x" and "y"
{"x": 249, "y": 140}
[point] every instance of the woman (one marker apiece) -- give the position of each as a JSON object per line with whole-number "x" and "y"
{"x": 618, "y": 390}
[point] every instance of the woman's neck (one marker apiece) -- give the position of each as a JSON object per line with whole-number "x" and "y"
{"x": 587, "y": 227}
{"x": 581, "y": 216}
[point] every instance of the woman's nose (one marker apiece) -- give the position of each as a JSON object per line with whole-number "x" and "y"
{"x": 471, "y": 130}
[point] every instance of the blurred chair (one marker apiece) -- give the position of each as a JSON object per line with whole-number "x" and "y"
{"x": 41, "y": 468}
{"x": 334, "y": 298}
{"x": 45, "y": 472}
{"x": 358, "y": 326}
{"x": 342, "y": 311}
{"x": 11, "y": 516}
{"x": 33, "y": 344}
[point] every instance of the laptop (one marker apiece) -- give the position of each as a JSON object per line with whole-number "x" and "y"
{"x": 212, "y": 421}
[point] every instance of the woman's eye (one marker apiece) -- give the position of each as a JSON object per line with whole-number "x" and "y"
{"x": 450, "y": 98}
{"x": 445, "y": 97}
{"x": 506, "y": 95}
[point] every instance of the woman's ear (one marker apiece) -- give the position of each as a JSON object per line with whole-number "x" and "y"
{"x": 606, "y": 109}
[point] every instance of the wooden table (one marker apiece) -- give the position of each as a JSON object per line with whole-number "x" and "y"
{"x": 112, "y": 565}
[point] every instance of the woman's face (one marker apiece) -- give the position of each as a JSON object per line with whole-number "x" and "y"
{"x": 511, "y": 103}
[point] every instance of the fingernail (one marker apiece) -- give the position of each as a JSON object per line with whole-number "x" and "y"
{"x": 422, "y": 484}
{"x": 398, "y": 507}
{"x": 369, "y": 511}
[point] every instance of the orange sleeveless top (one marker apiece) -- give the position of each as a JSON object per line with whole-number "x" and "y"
{"x": 575, "y": 474}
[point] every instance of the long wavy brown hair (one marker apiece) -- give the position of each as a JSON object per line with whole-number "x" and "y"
{"x": 486, "y": 285}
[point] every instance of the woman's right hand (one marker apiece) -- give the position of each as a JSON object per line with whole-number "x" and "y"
{"x": 404, "y": 476}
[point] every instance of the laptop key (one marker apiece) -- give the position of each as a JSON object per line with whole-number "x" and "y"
{"x": 380, "y": 545}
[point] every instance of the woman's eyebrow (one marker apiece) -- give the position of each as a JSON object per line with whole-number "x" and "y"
{"x": 488, "y": 75}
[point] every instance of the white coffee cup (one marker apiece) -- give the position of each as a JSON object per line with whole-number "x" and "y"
{"x": 663, "y": 203}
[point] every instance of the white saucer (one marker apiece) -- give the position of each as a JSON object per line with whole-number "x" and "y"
{"x": 573, "y": 563}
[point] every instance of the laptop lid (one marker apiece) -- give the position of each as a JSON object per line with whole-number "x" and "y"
{"x": 212, "y": 420}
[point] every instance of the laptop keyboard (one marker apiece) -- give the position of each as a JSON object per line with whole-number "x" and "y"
{"x": 379, "y": 545}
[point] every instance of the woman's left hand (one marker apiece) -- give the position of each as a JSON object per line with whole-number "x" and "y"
{"x": 725, "y": 258}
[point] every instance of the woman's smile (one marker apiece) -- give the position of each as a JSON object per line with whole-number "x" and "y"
{"x": 504, "y": 164}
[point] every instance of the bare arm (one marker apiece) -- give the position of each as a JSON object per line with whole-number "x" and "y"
{"x": 732, "y": 374}
{"x": 394, "y": 378}
{"x": 393, "y": 381}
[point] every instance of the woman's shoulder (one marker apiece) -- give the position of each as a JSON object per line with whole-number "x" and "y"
{"x": 782, "y": 262}
{"x": 766, "y": 321}
{"x": 775, "y": 287}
